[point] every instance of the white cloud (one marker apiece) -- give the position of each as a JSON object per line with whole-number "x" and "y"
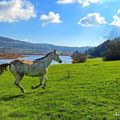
{"x": 88, "y": 2}
{"x": 50, "y": 18}
{"x": 92, "y": 19}
{"x": 84, "y": 3}
{"x": 14, "y": 10}
{"x": 66, "y": 1}
{"x": 116, "y": 18}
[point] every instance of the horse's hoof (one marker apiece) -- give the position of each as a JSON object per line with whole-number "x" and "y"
{"x": 22, "y": 91}
{"x": 32, "y": 87}
{"x": 43, "y": 88}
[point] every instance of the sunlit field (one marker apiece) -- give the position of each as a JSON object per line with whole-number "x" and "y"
{"x": 87, "y": 91}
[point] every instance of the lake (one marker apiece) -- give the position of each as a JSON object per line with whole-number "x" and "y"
{"x": 65, "y": 59}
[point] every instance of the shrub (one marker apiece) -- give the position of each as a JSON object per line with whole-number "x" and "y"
{"x": 78, "y": 57}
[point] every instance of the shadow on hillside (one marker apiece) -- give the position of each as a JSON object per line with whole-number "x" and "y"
{"x": 12, "y": 97}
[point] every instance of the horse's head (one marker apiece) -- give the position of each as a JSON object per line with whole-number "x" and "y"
{"x": 56, "y": 57}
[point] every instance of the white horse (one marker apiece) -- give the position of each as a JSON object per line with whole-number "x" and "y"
{"x": 36, "y": 68}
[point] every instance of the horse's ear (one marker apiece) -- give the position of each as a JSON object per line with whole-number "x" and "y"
{"x": 54, "y": 51}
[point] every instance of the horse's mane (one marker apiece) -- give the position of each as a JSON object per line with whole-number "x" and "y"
{"x": 42, "y": 57}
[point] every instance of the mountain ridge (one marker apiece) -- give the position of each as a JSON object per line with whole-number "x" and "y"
{"x": 9, "y": 45}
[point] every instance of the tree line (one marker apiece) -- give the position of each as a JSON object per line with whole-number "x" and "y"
{"x": 108, "y": 50}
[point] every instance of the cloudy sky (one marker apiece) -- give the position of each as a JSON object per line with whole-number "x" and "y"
{"x": 60, "y": 22}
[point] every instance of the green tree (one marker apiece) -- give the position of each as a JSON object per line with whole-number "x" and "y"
{"x": 99, "y": 51}
{"x": 113, "y": 50}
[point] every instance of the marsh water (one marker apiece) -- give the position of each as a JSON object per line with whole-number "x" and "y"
{"x": 65, "y": 59}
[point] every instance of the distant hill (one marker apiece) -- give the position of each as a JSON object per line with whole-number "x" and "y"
{"x": 102, "y": 49}
{"x": 8, "y": 45}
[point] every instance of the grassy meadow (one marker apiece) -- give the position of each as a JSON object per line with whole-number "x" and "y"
{"x": 87, "y": 91}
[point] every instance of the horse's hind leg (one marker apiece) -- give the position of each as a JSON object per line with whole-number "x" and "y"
{"x": 41, "y": 78}
{"x": 17, "y": 82}
{"x": 17, "y": 75}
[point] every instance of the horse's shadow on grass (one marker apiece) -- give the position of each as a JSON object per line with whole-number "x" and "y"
{"x": 22, "y": 96}
{"x": 12, "y": 97}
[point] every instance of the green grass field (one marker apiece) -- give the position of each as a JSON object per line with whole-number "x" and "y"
{"x": 88, "y": 91}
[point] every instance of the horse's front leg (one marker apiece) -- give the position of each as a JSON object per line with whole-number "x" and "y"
{"x": 41, "y": 78}
{"x": 44, "y": 82}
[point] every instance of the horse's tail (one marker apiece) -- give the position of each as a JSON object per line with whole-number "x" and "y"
{"x": 3, "y": 67}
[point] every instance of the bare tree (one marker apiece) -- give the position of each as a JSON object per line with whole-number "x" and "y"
{"x": 78, "y": 57}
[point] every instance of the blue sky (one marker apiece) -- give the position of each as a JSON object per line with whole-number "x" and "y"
{"x": 59, "y": 22}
